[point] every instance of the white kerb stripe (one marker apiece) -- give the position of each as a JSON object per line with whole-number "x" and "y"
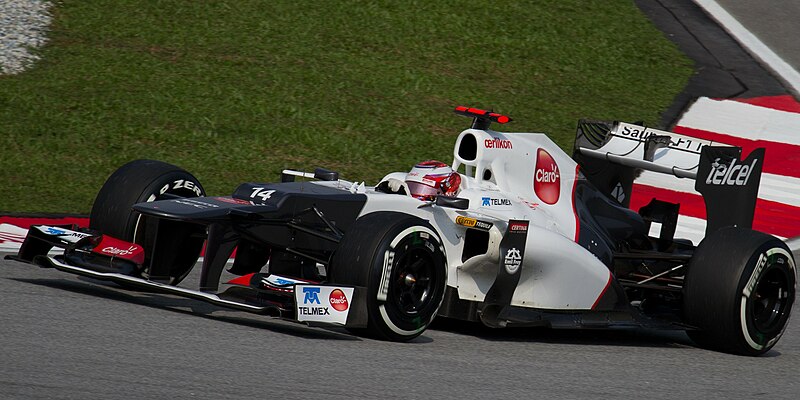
{"x": 777, "y": 188}
{"x": 744, "y": 120}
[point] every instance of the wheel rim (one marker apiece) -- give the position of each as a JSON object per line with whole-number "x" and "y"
{"x": 770, "y": 301}
{"x": 414, "y": 282}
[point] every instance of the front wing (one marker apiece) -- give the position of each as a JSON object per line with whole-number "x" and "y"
{"x": 88, "y": 254}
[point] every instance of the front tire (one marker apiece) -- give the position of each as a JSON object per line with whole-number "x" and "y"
{"x": 142, "y": 181}
{"x": 739, "y": 291}
{"x": 401, "y": 261}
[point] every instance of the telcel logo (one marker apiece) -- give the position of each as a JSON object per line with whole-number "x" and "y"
{"x": 338, "y": 300}
{"x": 546, "y": 178}
{"x": 733, "y": 174}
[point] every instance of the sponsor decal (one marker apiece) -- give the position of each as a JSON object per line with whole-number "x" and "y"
{"x": 468, "y": 222}
{"x": 473, "y": 223}
{"x": 512, "y": 260}
{"x": 182, "y": 184}
{"x": 196, "y": 203}
{"x": 311, "y": 295}
{"x": 231, "y": 200}
{"x": 388, "y": 262}
{"x": 489, "y": 202}
{"x": 338, "y": 300}
{"x": 66, "y": 235}
{"x": 640, "y": 133}
{"x": 497, "y": 143}
{"x": 751, "y": 284}
{"x": 274, "y": 280}
{"x": 518, "y": 227}
{"x": 113, "y": 247}
{"x": 111, "y": 250}
{"x": 546, "y": 178}
{"x": 311, "y": 309}
{"x": 733, "y": 174}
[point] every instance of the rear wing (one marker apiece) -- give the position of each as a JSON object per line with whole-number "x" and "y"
{"x": 612, "y": 154}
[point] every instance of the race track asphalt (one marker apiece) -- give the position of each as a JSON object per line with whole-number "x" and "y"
{"x": 67, "y": 337}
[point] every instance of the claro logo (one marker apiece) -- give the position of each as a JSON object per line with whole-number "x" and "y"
{"x": 733, "y": 174}
{"x": 338, "y": 300}
{"x": 546, "y": 178}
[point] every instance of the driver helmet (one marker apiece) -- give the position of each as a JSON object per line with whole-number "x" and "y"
{"x": 431, "y": 178}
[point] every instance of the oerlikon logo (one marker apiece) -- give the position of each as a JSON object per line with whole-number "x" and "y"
{"x": 546, "y": 178}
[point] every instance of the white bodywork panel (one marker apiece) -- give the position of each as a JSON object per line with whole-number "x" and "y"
{"x": 529, "y": 178}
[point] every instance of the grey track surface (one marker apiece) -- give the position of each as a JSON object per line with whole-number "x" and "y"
{"x": 723, "y": 69}
{"x": 775, "y": 25}
{"x": 72, "y": 338}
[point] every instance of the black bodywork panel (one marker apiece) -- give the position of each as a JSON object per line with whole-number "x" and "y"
{"x": 301, "y": 221}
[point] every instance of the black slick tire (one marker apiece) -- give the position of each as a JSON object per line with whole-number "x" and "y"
{"x": 739, "y": 291}
{"x": 143, "y": 181}
{"x": 401, "y": 261}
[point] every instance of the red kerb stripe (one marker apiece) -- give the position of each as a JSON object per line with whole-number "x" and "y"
{"x": 782, "y": 103}
{"x": 781, "y": 158}
{"x": 26, "y": 222}
{"x": 770, "y": 216}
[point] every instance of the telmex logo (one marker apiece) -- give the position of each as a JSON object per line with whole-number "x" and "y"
{"x": 311, "y": 295}
{"x": 497, "y": 143}
{"x": 731, "y": 174}
{"x": 546, "y": 178}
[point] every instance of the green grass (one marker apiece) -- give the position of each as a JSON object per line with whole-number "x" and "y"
{"x": 235, "y": 91}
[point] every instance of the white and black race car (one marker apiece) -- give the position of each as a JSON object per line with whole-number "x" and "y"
{"x": 515, "y": 233}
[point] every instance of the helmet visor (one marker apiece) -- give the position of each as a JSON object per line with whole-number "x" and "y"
{"x": 421, "y": 190}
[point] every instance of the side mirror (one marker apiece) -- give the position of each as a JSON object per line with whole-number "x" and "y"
{"x": 452, "y": 202}
{"x": 325, "y": 174}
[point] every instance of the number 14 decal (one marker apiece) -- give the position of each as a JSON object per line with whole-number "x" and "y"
{"x": 262, "y": 193}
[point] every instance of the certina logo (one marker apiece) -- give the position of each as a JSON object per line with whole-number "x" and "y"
{"x": 338, "y": 300}
{"x": 546, "y": 178}
{"x": 518, "y": 227}
{"x": 488, "y": 202}
{"x": 119, "y": 252}
{"x": 733, "y": 174}
{"x": 497, "y": 143}
{"x": 512, "y": 260}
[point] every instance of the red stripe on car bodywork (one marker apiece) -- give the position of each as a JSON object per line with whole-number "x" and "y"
{"x": 603, "y": 293}
{"x": 574, "y": 209}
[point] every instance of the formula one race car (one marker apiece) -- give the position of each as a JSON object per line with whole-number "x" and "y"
{"x": 514, "y": 233}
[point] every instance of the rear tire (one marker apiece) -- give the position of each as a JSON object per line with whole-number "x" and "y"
{"x": 142, "y": 181}
{"x": 739, "y": 291}
{"x": 401, "y": 261}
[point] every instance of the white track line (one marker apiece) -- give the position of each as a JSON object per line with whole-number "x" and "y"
{"x": 752, "y": 43}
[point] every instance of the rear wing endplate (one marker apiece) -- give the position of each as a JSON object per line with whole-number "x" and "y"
{"x": 612, "y": 153}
